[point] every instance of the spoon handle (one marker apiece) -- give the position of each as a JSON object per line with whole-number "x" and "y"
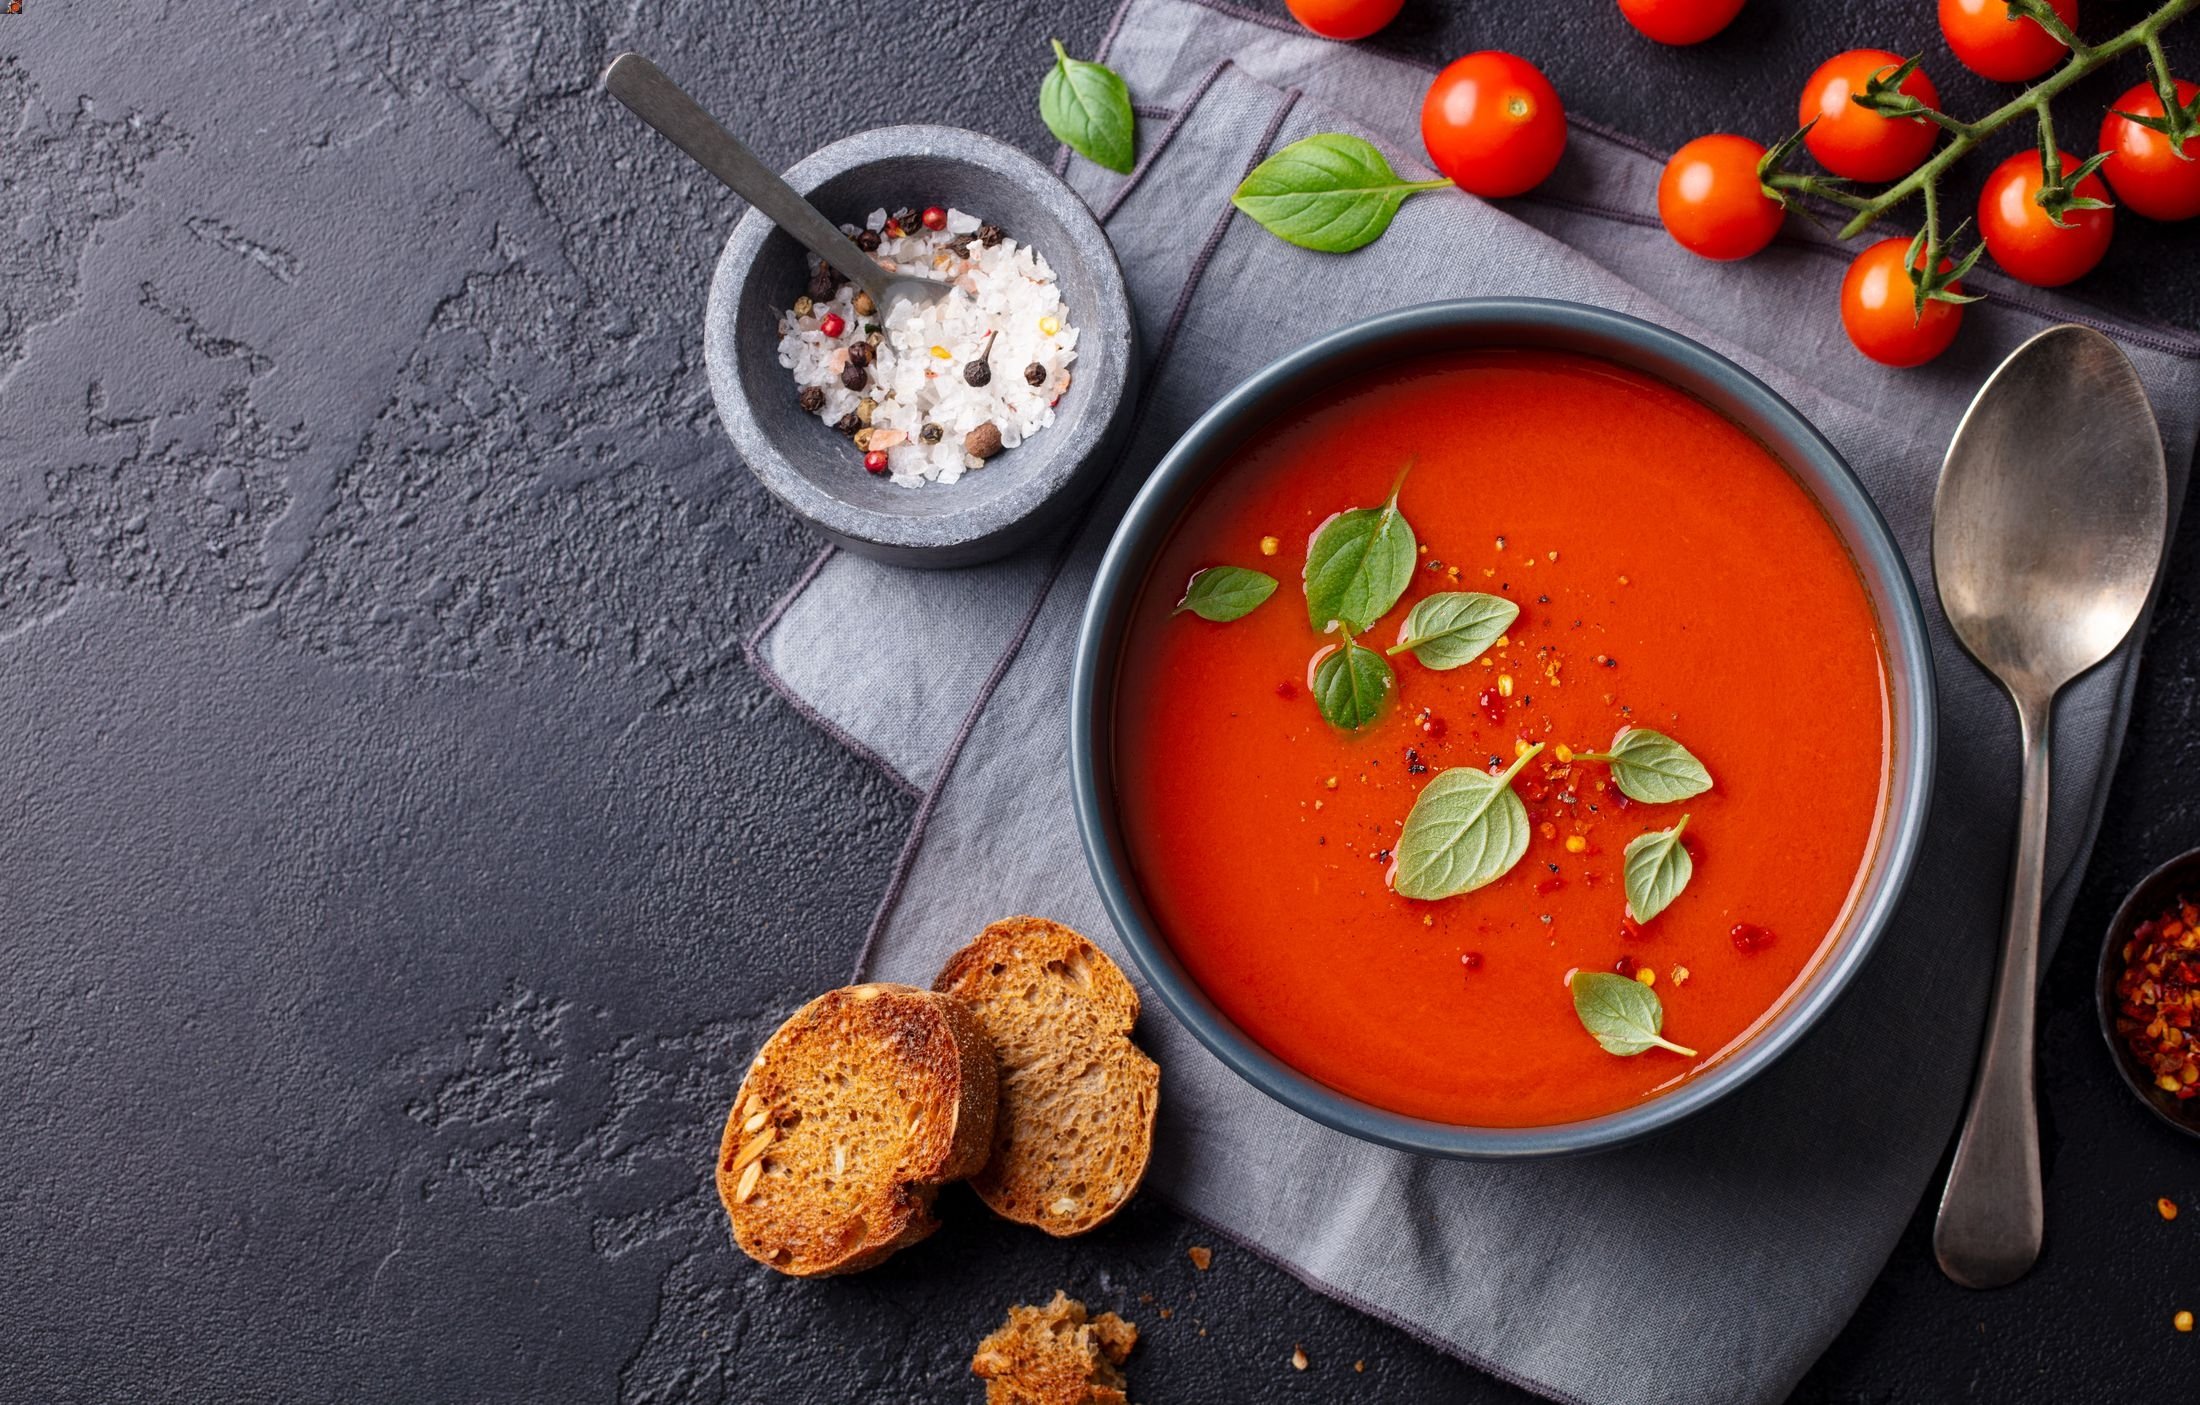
{"x": 660, "y": 102}
{"x": 1991, "y": 1214}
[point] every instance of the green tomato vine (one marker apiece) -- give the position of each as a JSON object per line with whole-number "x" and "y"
{"x": 2059, "y": 189}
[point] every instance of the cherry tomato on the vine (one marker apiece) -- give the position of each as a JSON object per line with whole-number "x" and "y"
{"x": 1493, "y": 123}
{"x": 1344, "y": 19}
{"x": 1710, "y": 200}
{"x": 1992, "y": 45}
{"x": 2148, "y": 175}
{"x": 1855, "y": 141}
{"x": 1680, "y": 21}
{"x": 1879, "y": 308}
{"x": 2025, "y": 240}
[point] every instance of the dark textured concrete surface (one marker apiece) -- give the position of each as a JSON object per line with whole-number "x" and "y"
{"x": 396, "y": 861}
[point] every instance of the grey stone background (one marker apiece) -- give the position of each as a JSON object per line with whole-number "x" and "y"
{"x": 397, "y": 862}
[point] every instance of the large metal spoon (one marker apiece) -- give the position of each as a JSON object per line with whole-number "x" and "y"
{"x": 659, "y": 101}
{"x": 2048, "y": 531}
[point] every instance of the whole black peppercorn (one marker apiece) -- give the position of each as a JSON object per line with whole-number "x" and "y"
{"x": 1035, "y": 374}
{"x": 821, "y": 284}
{"x": 980, "y": 371}
{"x": 854, "y": 377}
{"x": 848, "y": 423}
{"x": 859, "y": 353}
{"x": 868, "y": 241}
{"x": 812, "y": 399}
{"x": 990, "y": 234}
{"x": 931, "y": 434}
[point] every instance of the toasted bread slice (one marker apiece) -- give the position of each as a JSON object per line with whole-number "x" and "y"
{"x": 1055, "y": 1355}
{"x": 1078, "y": 1099}
{"x": 851, "y": 1117}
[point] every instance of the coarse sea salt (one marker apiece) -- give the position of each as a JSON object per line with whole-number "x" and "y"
{"x": 920, "y": 354}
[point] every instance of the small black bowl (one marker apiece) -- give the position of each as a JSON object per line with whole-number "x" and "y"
{"x": 2155, "y": 892}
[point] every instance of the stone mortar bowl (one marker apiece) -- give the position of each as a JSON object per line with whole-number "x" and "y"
{"x": 812, "y": 468}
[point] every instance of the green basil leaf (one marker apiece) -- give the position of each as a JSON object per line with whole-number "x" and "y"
{"x": 1466, "y": 830}
{"x": 1653, "y": 768}
{"x": 1225, "y": 593}
{"x": 1454, "y": 628}
{"x": 1657, "y": 868}
{"x": 1352, "y": 685}
{"x": 1328, "y": 192}
{"x": 1088, "y": 109}
{"x": 1358, "y": 564}
{"x": 1622, "y": 1013}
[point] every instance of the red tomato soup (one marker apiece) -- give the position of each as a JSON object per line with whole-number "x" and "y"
{"x": 1670, "y": 575}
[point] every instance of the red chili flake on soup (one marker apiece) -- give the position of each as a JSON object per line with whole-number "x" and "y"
{"x": 2157, "y": 995}
{"x": 1749, "y": 938}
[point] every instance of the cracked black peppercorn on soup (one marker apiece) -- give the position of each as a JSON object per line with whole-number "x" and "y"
{"x": 928, "y": 393}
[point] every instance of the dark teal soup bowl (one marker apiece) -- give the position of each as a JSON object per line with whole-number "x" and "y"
{"x": 1495, "y": 323}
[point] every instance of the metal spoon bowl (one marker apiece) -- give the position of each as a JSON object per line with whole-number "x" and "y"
{"x": 2048, "y": 532}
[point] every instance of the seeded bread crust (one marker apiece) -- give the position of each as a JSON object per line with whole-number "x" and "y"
{"x": 852, "y": 1116}
{"x": 1055, "y": 1355}
{"x": 1078, "y": 1099}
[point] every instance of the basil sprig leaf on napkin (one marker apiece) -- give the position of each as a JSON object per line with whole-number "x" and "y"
{"x": 1330, "y": 192}
{"x": 1466, "y": 830}
{"x": 1352, "y": 685}
{"x": 1658, "y": 866}
{"x": 1623, "y": 1013}
{"x": 1455, "y": 627}
{"x": 1225, "y": 593}
{"x": 1359, "y": 564}
{"x": 1088, "y": 109}
{"x": 1651, "y": 768}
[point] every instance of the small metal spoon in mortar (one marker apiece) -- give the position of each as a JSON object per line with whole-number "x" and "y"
{"x": 2048, "y": 530}
{"x": 659, "y": 101}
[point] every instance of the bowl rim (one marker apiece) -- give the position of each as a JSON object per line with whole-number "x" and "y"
{"x": 1107, "y": 339}
{"x": 1804, "y": 451}
{"x": 2172, "y": 874}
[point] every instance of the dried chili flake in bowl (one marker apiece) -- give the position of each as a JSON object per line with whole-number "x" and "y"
{"x": 2158, "y": 995}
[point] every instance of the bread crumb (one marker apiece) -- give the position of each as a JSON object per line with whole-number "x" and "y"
{"x": 1056, "y": 1353}
{"x": 1359, "y": 1365}
{"x": 1298, "y": 1358}
{"x": 1201, "y": 1256}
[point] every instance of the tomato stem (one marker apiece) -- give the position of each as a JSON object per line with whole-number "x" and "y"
{"x": 1965, "y": 137}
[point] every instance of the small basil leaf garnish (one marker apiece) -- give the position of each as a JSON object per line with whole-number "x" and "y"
{"x": 1352, "y": 685}
{"x": 1358, "y": 564}
{"x": 1622, "y": 1013}
{"x": 1653, "y": 768}
{"x": 1657, "y": 868}
{"x": 1225, "y": 593}
{"x": 1088, "y": 109}
{"x": 1329, "y": 192}
{"x": 1454, "y": 628}
{"x": 1466, "y": 830}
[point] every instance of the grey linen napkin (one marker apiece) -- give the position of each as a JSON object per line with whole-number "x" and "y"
{"x": 1712, "y": 1263}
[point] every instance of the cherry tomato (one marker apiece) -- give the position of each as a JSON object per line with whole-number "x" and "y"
{"x": 2150, "y": 178}
{"x": 1711, "y": 202}
{"x": 1857, "y": 142}
{"x": 1493, "y": 123}
{"x": 1344, "y": 19}
{"x": 1879, "y": 313}
{"x": 2029, "y": 245}
{"x": 1680, "y": 21}
{"x": 1992, "y": 45}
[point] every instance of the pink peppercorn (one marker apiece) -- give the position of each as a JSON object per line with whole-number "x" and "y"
{"x": 935, "y": 217}
{"x": 875, "y": 461}
{"x": 832, "y": 324}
